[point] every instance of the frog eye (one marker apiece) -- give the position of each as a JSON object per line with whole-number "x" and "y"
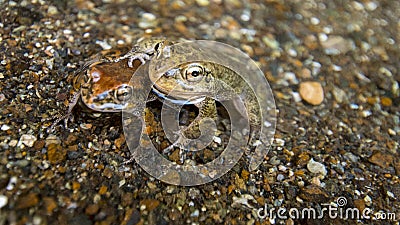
{"x": 194, "y": 73}
{"x": 123, "y": 93}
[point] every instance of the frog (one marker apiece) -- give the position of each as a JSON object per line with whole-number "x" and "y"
{"x": 101, "y": 84}
{"x": 195, "y": 83}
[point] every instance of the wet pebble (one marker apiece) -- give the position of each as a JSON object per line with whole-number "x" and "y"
{"x": 5, "y": 127}
{"x": 381, "y": 159}
{"x": 27, "y": 139}
{"x": 195, "y": 213}
{"x": 3, "y": 201}
{"x": 350, "y": 156}
{"x": 49, "y": 204}
{"x": 316, "y": 167}
{"x": 280, "y": 177}
{"x": 148, "y": 20}
{"x": 150, "y": 204}
{"x": 56, "y": 153}
{"x": 202, "y": 2}
{"x": 27, "y": 201}
{"x": 311, "y": 92}
{"x": 314, "y": 193}
{"x": 52, "y": 139}
{"x": 335, "y": 45}
{"x": 92, "y": 209}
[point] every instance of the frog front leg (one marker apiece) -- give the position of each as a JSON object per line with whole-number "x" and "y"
{"x": 202, "y": 129}
{"x": 67, "y": 116}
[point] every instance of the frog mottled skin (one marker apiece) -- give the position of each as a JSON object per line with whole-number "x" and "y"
{"x": 102, "y": 83}
{"x": 191, "y": 82}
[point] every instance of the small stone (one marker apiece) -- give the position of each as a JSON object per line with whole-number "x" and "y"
{"x": 49, "y": 204}
{"x": 381, "y": 159}
{"x": 371, "y": 6}
{"x": 305, "y": 73}
{"x": 311, "y": 92}
{"x": 195, "y": 213}
{"x": 245, "y": 174}
{"x": 148, "y": 20}
{"x": 366, "y": 113}
{"x": 292, "y": 52}
{"x": 126, "y": 199}
{"x": 391, "y": 132}
{"x": 357, "y": 6}
{"x": 3, "y": 201}
{"x": 27, "y": 139}
{"x": 174, "y": 156}
{"x": 336, "y": 45}
{"x": 103, "y": 190}
{"x": 52, "y": 139}
{"x": 280, "y": 177}
{"x": 316, "y": 181}
{"x": 92, "y": 209}
{"x": 368, "y": 200}
{"x": 52, "y": 10}
{"x": 76, "y": 185}
{"x": 39, "y": 144}
{"x": 296, "y": 96}
{"x": 27, "y": 201}
{"x": 243, "y": 200}
{"x": 282, "y": 168}
{"x": 279, "y": 142}
{"x": 314, "y": 21}
{"x": 21, "y": 163}
{"x": 107, "y": 172}
{"x": 385, "y": 101}
{"x": 289, "y": 222}
{"x": 11, "y": 184}
{"x": 217, "y": 140}
{"x": 119, "y": 141}
{"x": 316, "y": 167}
{"x": 339, "y": 95}
{"x": 56, "y": 153}
{"x": 202, "y": 2}
{"x": 303, "y": 159}
{"x": 311, "y": 42}
{"x": 372, "y": 100}
{"x": 313, "y": 193}
{"x": 150, "y": 204}
{"x": 359, "y": 204}
{"x": 351, "y": 157}
{"x": 104, "y": 45}
{"x": 270, "y": 42}
{"x": 5, "y": 127}
{"x": 291, "y": 77}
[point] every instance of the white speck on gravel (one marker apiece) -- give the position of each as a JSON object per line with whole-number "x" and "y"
{"x": 316, "y": 167}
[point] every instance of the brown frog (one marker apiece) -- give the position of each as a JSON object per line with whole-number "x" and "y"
{"x": 102, "y": 85}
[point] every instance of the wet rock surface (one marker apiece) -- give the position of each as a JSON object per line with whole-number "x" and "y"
{"x": 346, "y": 144}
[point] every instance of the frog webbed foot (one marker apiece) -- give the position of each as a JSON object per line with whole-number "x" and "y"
{"x": 199, "y": 133}
{"x": 58, "y": 118}
{"x": 67, "y": 116}
{"x": 142, "y": 52}
{"x": 132, "y": 56}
